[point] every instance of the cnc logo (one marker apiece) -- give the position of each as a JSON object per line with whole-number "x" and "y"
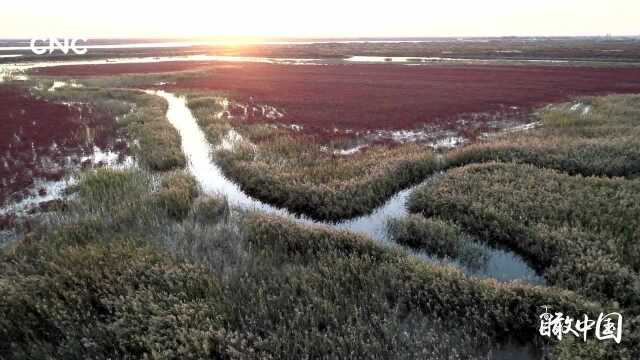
{"x": 41, "y": 46}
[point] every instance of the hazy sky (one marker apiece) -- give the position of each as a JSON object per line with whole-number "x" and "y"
{"x": 320, "y": 18}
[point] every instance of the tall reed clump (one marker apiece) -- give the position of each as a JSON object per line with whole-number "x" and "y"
{"x": 437, "y": 237}
{"x": 574, "y": 227}
{"x": 334, "y": 200}
{"x": 207, "y": 110}
{"x": 176, "y": 195}
{"x": 110, "y": 204}
{"x": 158, "y": 142}
{"x": 581, "y": 231}
{"x": 110, "y": 274}
{"x": 487, "y": 307}
{"x": 114, "y": 300}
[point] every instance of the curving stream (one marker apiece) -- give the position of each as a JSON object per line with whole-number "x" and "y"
{"x": 502, "y": 265}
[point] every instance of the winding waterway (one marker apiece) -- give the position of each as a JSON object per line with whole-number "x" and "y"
{"x": 501, "y": 264}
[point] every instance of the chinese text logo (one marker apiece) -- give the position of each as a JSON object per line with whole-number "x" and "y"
{"x": 607, "y": 327}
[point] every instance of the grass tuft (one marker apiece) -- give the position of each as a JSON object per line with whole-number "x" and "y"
{"x": 438, "y": 238}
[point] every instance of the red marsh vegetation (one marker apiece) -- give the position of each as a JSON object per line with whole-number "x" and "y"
{"x": 39, "y": 139}
{"x": 372, "y": 97}
{"x": 364, "y": 97}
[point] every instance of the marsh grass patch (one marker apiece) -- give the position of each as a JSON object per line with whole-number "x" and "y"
{"x": 439, "y": 238}
{"x": 602, "y": 142}
{"x": 155, "y": 142}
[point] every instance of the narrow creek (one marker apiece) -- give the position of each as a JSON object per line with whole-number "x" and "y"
{"x": 502, "y": 265}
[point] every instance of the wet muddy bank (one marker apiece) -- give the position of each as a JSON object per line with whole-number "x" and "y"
{"x": 41, "y": 140}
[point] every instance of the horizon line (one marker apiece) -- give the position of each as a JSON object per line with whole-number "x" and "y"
{"x": 266, "y": 38}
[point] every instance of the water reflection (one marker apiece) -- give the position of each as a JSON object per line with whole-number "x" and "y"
{"x": 43, "y": 190}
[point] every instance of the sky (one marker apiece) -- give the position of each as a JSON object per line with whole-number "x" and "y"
{"x": 323, "y": 18}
